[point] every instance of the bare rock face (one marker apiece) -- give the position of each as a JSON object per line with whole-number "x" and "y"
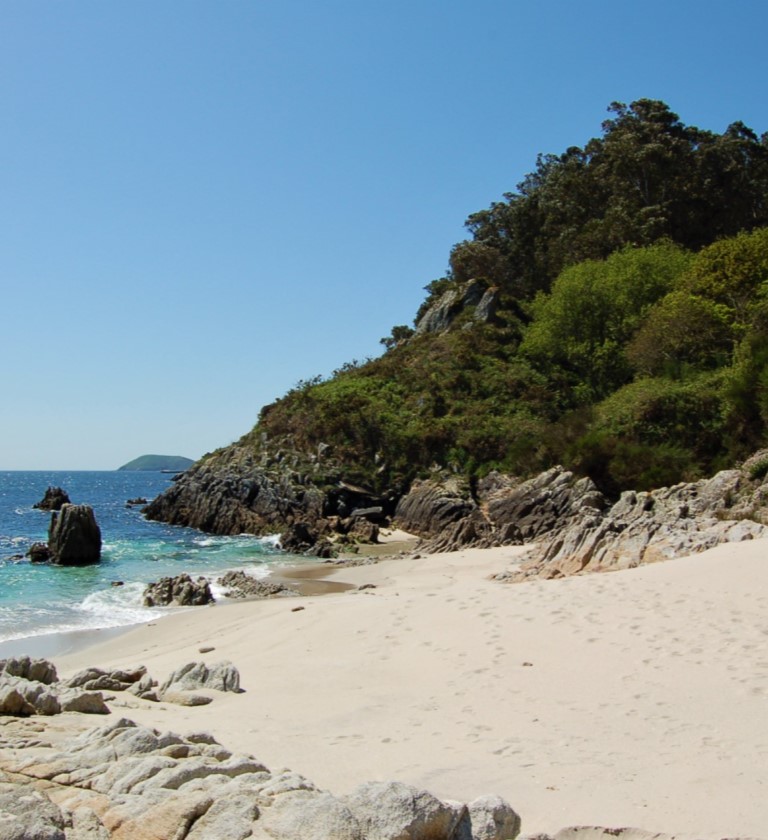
{"x": 54, "y": 498}
{"x": 233, "y": 493}
{"x": 74, "y": 538}
{"x": 645, "y": 527}
{"x": 433, "y": 505}
{"x": 38, "y": 670}
{"x": 504, "y": 510}
{"x": 129, "y": 782}
{"x": 181, "y": 591}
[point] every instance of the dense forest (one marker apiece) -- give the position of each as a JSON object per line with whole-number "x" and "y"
{"x": 610, "y": 314}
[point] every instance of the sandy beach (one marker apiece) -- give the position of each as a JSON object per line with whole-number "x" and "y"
{"x": 635, "y": 698}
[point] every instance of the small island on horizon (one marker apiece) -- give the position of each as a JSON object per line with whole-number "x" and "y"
{"x": 171, "y": 463}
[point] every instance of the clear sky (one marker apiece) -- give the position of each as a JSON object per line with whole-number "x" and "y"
{"x": 205, "y": 201}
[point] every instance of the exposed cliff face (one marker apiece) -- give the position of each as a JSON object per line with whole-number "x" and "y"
{"x": 232, "y": 493}
{"x": 239, "y": 490}
{"x": 574, "y": 526}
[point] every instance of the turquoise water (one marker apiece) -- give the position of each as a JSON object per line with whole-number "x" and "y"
{"x": 38, "y": 599}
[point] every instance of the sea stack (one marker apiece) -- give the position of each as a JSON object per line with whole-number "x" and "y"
{"x": 74, "y": 538}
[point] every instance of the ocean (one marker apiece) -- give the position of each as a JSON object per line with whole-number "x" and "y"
{"x": 41, "y": 599}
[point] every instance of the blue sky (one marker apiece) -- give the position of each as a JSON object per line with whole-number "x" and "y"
{"x": 204, "y": 201}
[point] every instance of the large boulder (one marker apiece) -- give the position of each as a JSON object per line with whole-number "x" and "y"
{"x": 221, "y": 676}
{"x": 54, "y": 498}
{"x": 74, "y": 538}
{"x": 38, "y": 670}
{"x": 433, "y": 505}
{"x": 179, "y": 591}
{"x": 238, "y": 584}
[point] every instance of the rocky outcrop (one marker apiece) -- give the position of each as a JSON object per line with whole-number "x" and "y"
{"x": 129, "y": 782}
{"x": 179, "y": 591}
{"x": 39, "y": 553}
{"x": 541, "y": 506}
{"x": 444, "y": 311}
{"x": 433, "y": 505}
{"x": 503, "y": 511}
{"x": 31, "y": 687}
{"x": 53, "y": 499}
{"x": 650, "y": 526}
{"x": 38, "y": 670}
{"x": 233, "y": 493}
{"x": 223, "y": 676}
{"x": 238, "y": 584}
{"x": 74, "y": 538}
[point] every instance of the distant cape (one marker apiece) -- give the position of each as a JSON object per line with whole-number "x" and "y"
{"x": 171, "y": 463}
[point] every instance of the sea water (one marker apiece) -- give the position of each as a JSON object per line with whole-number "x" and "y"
{"x": 38, "y": 599}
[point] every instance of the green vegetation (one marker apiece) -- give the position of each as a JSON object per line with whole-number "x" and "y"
{"x": 174, "y": 463}
{"x": 628, "y": 336}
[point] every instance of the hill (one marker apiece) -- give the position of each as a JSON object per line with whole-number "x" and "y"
{"x": 175, "y": 463}
{"x": 610, "y": 315}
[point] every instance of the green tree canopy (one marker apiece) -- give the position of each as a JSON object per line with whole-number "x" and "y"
{"x": 594, "y": 307}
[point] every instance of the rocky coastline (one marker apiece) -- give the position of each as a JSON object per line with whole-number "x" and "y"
{"x": 573, "y": 527}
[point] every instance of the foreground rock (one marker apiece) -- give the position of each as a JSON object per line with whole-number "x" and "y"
{"x": 130, "y": 782}
{"x": 74, "y": 538}
{"x": 222, "y": 676}
{"x": 180, "y": 591}
{"x": 31, "y": 687}
{"x": 54, "y": 498}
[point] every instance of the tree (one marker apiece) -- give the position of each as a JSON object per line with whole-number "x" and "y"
{"x": 594, "y": 308}
{"x": 681, "y": 331}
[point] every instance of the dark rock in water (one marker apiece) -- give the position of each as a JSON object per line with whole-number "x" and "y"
{"x": 139, "y": 500}
{"x": 299, "y": 538}
{"x": 39, "y": 552}
{"x": 74, "y": 538}
{"x": 180, "y": 590}
{"x": 238, "y": 496}
{"x": 53, "y": 499}
{"x": 241, "y": 585}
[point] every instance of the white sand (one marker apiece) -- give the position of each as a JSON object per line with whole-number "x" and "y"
{"x": 645, "y": 702}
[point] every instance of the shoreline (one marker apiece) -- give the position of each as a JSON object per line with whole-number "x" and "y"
{"x": 630, "y": 698}
{"x": 308, "y": 578}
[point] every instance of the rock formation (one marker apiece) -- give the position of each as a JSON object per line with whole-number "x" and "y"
{"x": 129, "y": 782}
{"x": 30, "y": 687}
{"x": 444, "y": 311}
{"x": 238, "y": 584}
{"x": 53, "y": 499}
{"x": 39, "y": 553}
{"x": 433, "y": 505}
{"x": 650, "y": 526}
{"x": 74, "y": 538}
{"x": 179, "y": 591}
{"x": 245, "y": 490}
{"x": 222, "y": 676}
{"x": 234, "y": 494}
